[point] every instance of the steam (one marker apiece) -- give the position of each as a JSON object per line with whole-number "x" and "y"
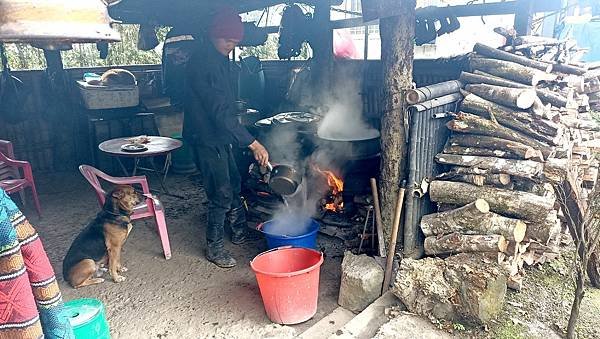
{"x": 343, "y": 119}
{"x": 296, "y": 216}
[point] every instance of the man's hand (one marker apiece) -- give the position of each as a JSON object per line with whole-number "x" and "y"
{"x": 260, "y": 153}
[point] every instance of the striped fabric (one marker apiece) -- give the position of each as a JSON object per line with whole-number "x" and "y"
{"x": 30, "y": 300}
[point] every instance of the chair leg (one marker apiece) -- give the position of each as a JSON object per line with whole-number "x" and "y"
{"x": 36, "y": 200}
{"x": 159, "y": 216}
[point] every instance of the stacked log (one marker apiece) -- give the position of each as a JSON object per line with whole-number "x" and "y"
{"x": 524, "y": 122}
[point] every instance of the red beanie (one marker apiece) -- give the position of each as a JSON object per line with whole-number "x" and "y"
{"x": 227, "y": 24}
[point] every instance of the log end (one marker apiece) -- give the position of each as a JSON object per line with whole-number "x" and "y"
{"x": 482, "y": 206}
{"x": 526, "y": 99}
{"x": 504, "y": 179}
{"x": 502, "y": 244}
{"x": 519, "y": 231}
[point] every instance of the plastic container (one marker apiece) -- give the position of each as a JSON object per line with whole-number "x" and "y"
{"x": 306, "y": 237}
{"x": 87, "y": 318}
{"x": 288, "y": 279}
{"x": 107, "y": 97}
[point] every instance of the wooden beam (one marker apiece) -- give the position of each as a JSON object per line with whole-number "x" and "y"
{"x": 397, "y": 54}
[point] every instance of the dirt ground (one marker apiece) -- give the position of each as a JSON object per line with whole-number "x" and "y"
{"x": 185, "y": 297}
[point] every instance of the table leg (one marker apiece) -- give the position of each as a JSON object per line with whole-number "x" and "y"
{"x": 123, "y": 167}
{"x": 163, "y": 177}
{"x": 136, "y": 162}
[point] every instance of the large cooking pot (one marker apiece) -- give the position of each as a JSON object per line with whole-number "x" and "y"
{"x": 365, "y": 145}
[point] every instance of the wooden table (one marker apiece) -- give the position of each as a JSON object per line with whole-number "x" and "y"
{"x": 156, "y": 147}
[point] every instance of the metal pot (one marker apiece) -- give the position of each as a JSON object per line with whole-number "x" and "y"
{"x": 349, "y": 148}
{"x": 284, "y": 179}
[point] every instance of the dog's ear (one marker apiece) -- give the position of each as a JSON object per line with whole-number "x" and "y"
{"x": 118, "y": 193}
{"x": 111, "y": 203}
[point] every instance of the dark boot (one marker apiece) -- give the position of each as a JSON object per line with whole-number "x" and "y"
{"x": 220, "y": 257}
{"x": 240, "y": 234}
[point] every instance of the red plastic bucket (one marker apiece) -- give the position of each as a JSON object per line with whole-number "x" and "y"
{"x": 288, "y": 279}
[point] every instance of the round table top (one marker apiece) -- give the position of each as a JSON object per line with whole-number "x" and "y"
{"x": 156, "y": 146}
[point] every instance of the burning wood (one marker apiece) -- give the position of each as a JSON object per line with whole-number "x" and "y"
{"x": 334, "y": 201}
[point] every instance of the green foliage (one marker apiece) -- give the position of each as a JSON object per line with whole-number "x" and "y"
{"x": 458, "y": 327}
{"x": 268, "y": 51}
{"x": 119, "y": 53}
{"x": 26, "y": 57}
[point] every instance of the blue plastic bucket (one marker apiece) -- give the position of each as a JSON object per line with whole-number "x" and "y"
{"x": 303, "y": 237}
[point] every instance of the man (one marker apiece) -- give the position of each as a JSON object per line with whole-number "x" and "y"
{"x": 212, "y": 127}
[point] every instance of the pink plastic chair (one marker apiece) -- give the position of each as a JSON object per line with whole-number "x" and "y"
{"x": 152, "y": 207}
{"x": 16, "y": 176}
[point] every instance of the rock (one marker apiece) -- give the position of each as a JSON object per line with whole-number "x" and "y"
{"x": 463, "y": 288}
{"x": 410, "y": 326}
{"x": 362, "y": 278}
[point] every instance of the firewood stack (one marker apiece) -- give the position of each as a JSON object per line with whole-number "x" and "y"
{"x": 526, "y": 118}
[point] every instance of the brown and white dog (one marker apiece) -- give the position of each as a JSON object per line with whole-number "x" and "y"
{"x": 101, "y": 242}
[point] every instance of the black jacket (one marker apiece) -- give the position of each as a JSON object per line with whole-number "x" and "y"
{"x": 210, "y": 115}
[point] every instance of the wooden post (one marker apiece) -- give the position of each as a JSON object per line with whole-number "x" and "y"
{"x": 523, "y": 17}
{"x": 397, "y": 53}
{"x": 322, "y": 45}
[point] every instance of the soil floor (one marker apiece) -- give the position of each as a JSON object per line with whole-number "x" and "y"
{"x": 185, "y": 297}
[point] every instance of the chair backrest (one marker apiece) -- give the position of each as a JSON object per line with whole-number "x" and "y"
{"x": 92, "y": 174}
{"x": 7, "y": 171}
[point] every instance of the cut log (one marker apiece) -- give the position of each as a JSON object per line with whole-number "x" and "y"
{"x": 479, "y": 77}
{"x": 521, "y": 205}
{"x": 510, "y": 70}
{"x": 460, "y": 150}
{"x": 580, "y": 124}
{"x": 436, "y": 288}
{"x": 472, "y": 219}
{"x": 473, "y": 124}
{"x": 552, "y": 98}
{"x": 512, "y": 97}
{"x": 546, "y": 230}
{"x": 459, "y": 243}
{"x": 568, "y": 69}
{"x": 509, "y": 34}
{"x": 421, "y": 94}
{"x": 506, "y": 116}
{"x": 497, "y": 180}
{"x": 521, "y": 168}
{"x": 481, "y": 141}
{"x": 501, "y": 55}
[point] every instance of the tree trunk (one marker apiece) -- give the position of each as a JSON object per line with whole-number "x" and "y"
{"x": 397, "y": 46}
{"x": 481, "y": 141}
{"x": 521, "y": 205}
{"x": 579, "y": 293}
{"x": 473, "y": 124}
{"x": 519, "y": 121}
{"x": 472, "y": 219}
{"x": 552, "y": 98}
{"x": 501, "y": 55}
{"x": 436, "y": 288}
{"x": 510, "y": 70}
{"x": 520, "y": 168}
{"x": 458, "y": 243}
{"x": 507, "y": 96}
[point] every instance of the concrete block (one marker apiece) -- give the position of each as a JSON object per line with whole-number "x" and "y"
{"x": 362, "y": 278}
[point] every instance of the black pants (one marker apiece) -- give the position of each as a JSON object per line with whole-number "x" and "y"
{"x": 222, "y": 185}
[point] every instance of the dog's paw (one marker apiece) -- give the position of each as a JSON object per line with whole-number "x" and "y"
{"x": 119, "y": 278}
{"x": 123, "y": 269}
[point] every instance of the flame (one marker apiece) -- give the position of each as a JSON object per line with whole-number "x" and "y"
{"x": 336, "y": 184}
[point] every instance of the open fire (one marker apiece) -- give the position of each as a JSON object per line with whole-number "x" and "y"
{"x": 334, "y": 201}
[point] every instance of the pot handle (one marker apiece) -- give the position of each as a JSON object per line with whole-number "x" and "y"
{"x": 269, "y": 166}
